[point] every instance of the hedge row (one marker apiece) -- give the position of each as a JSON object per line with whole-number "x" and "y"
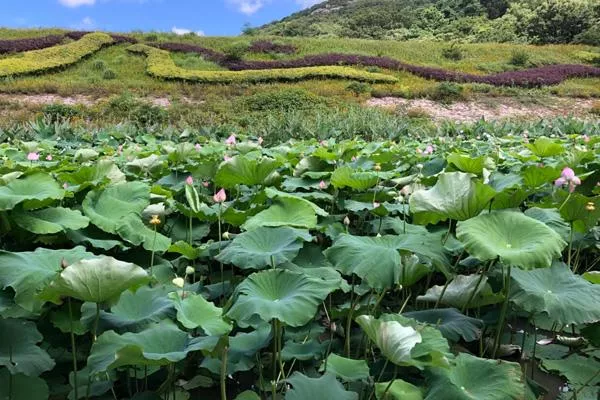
{"x": 533, "y": 77}
{"x": 53, "y": 57}
{"x": 268, "y": 47}
{"x": 20, "y": 45}
{"x": 161, "y": 65}
{"x": 117, "y": 39}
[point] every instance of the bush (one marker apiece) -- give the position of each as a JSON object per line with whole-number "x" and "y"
{"x": 53, "y": 57}
{"x": 20, "y": 45}
{"x": 99, "y": 65}
{"x": 519, "y": 58}
{"x": 286, "y": 100}
{"x": 59, "y": 112}
{"x": 454, "y": 53}
{"x": 590, "y": 36}
{"x": 145, "y": 114}
{"x": 109, "y": 74}
{"x": 152, "y": 37}
{"x": 448, "y": 92}
{"x": 358, "y": 88}
{"x": 236, "y": 52}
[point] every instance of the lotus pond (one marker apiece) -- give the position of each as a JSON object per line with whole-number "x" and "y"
{"x": 441, "y": 269}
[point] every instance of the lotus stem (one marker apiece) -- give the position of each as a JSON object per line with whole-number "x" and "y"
{"x": 379, "y": 378}
{"x": 349, "y": 321}
{"x": 10, "y": 377}
{"x": 274, "y": 361}
{"x": 73, "y": 349}
{"x": 439, "y": 300}
{"x": 447, "y": 232}
{"x": 152, "y": 254}
{"x": 474, "y": 292}
{"x": 500, "y": 327}
{"x": 570, "y": 247}
{"x": 224, "y": 374}
{"x": 96, "y": 320}
{"x": 220, "y": 263}
{"x": 534, "y": 348}
{"x": 387, "y": 388}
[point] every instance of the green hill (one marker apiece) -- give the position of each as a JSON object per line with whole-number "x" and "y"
{"x": 531, "y": 21}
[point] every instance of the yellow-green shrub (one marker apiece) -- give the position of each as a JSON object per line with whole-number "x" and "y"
{"x": 160, "y": 65}
{"x": 53, "y": 57}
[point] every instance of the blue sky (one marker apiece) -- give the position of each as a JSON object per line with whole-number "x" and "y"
{"x": 210, "y": 17}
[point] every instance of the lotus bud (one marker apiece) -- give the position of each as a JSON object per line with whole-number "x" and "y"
{"x": 379, "y": 235}
{"x": 420, "y": 166}
{"x": 33, "y": 156}
{"x": 189, "y": 180}
{"x": 346, "y": 221}
{"x": 198, "y": 147}
{"x": 230, "y": 140}
{"x": 179, "y": 282}
{"x": 205, "y": 184}
{"x": 220, "y": 196}
{"x": 49, "y": 157}
{"x": 322, "y": 185}
{"x": 376, "y": 204}
{"x": 377, "y": 167}
{"x": 190, "y": 270}
{"x": 226, "y": 235}
{"x": 260, "y": 141}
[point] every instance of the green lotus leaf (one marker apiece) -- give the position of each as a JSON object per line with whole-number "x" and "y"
{"x": 38, "y": 187}
{"x": 348, "y": 177}
{"x": 83, "y": 155}
{"x": 545, "y": 147}
{"x": 346, "y": 369}
{"x": 456, "y": 196}
{"x": 552, "y": 218}
{"x": 592, "y": 333}
{"x": 289, "y": 297}
{"x": 96, "y": 280}
{"x": 29, "y": 272}
{"x": 394, "y": 340}
{"x": 243, "y": 347}
{"x": 264, "y": 247}
{"x": 377, "y": 260}
{"x": 147, "y": 165}
{"x": 574, "y": 208}
{"x": 565, "y": 297}
{"x": 90, "y": 385}
{"x": 277, "y": 194}
{"x": 118, "y": 209}
{"x": 534, "y": 176}
{"x": 515, "y": 238}
{"x": 247, "y": 395}
{"x": 50, "y": 220}
{"x": 93, "y": 175}
{"x": 311, "y": 349}
{"x": 160, "y": 344}
{"x": 472, "y": 378}
{"x": 579, "y": 370}
{"x": 133, "y": 311}
{"x": 399, "y": 390}
{"x": 472, "y": 165}
{"x": 460, "y": 290}
{"x": 21, "y": 387}
{"x": 18, "y": 348}
{"x": 324, "y": 388}
{"x": 592, "y": 276}
{"x": 242, "y": 170}
{"x": 287, "y": 211}
{"x": 194, "y": 311}
{"x": 451, "y": 323}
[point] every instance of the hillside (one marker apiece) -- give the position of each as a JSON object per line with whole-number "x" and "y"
{"x": 533, "y": 21}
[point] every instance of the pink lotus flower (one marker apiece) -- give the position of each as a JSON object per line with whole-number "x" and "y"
{"x": 260, "y": 141}
{"x": 49, "y": 157}
{"x": 353, "y": 158}
{"x": 230, "y": 140}
{"x": 220, "y": 197}
{"x": 428, "y": 150}
{"x": 226, "y": 158}
{"x": 198, "y": 147}
{"x": 322, "y": 185}
{"x": 205, "y": 184}
{"x": 568, "y": 176}
{"x": 586, "y": 139}
{"x": 33, "y": 156}
{"x": 189, "y": 180}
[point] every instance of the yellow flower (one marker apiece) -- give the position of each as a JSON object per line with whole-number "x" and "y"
{"x": 590, "y": 206}
{"x": 377, "y": 167}
{"x": 155, "y": 220}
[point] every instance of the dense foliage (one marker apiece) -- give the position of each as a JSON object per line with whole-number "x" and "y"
{"x": 51, "y": 58}
{"x": 420, "y": 268}
{"x": 535, "y": 21}
{"x": 19, "y": 45}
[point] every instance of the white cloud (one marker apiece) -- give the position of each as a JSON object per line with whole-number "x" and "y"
{"x": 250, "y": 7}
{"x": 86, "y": 24}
{"x": 77, "y": 3}
{"x": 184, "y": 31}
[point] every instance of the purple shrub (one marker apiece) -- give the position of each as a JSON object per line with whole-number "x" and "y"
{"x": 268, "y": 47}
{"x": 20, "y": 45}
{"x": 206, "y": 53}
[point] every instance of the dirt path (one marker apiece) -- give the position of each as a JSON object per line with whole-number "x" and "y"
{"x": 488, "y": 108}
{"x": 42, "y": 99}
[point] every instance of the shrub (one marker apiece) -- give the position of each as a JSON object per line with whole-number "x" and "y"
{"x": 287, "y": 99}
{"x": 417, "y": 113}
{"x": 145, "y": 114}
{"x": 358, "y": 88}
{"x": 268, "y": 47}
{"x": 152, "y": 37}
{"x": 236, "y": 52}
{"x": 161, "y": 65}
{"x": 519, "y": 58}
{"x": 590, "y": 36}
{"x": 454, "y": 52}
{"x": 99, "y": 65}
{"x": 448, "y": 92}
{"x": 109, "y": 74}
{"x": 53, "y": 57}
{"x": 59, "y": 112}
{"x": 20, "y": 45}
